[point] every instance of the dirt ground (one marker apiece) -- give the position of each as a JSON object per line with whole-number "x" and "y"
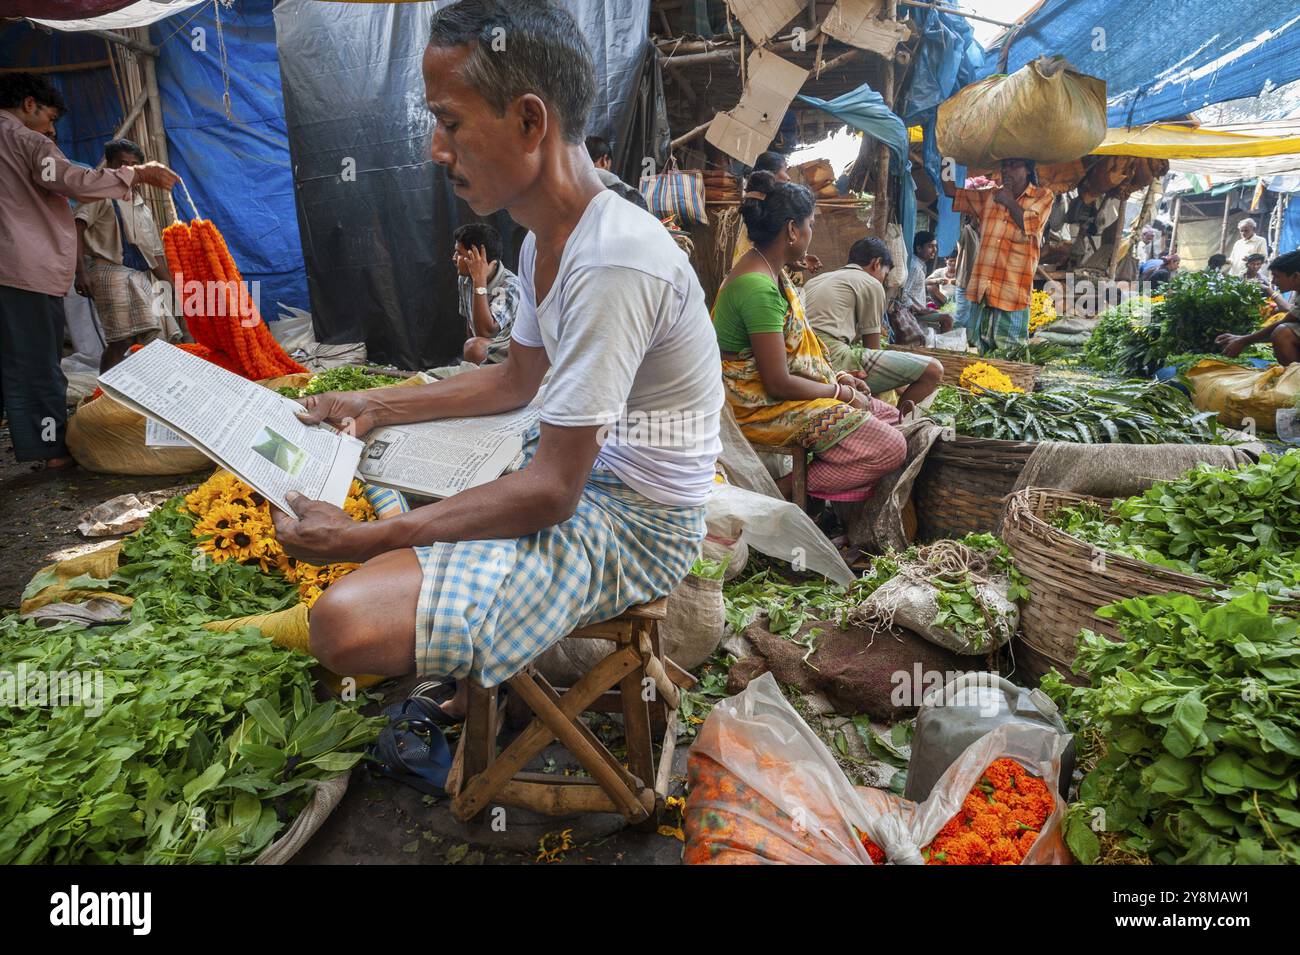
{"x": 379, "y": 820}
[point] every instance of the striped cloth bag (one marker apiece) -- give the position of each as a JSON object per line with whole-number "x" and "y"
{"x": 674, "y": 192}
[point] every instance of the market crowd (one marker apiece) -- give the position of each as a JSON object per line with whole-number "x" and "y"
{"x": 605, "y": 306}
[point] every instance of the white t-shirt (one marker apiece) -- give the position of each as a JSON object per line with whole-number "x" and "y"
{"x": 631, "y": 346}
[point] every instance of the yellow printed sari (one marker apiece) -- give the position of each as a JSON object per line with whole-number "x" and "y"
{"x": 817, "y": 424}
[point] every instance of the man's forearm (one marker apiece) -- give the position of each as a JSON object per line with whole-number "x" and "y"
{"x": 515, "y": 505}
{"x": 489, "y": 390}
{"x": 484, "y": 325}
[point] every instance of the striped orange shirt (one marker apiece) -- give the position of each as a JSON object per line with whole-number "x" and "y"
{"x": 1003, "y": 274}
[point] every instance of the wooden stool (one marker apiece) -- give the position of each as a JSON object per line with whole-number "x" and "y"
{"x": 620, "y": 682}
{"x": 799, "y": 471}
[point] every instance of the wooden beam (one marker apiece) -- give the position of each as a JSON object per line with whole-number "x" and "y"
{"x": 148, "y": 49}
{"x": 58, "y": 67}
{"x": 685, "y": 138}
{"x": 956, "y": 12}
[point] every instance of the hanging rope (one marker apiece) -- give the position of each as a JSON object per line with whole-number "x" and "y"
{"x": 188, "y": 198}
{"x": 221, "y": 43}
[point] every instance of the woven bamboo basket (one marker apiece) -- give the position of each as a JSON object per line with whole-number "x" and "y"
{"x": 1022, "y": 375}
{"x": 963, "y": 483}
{"x": 1069, "y": 580}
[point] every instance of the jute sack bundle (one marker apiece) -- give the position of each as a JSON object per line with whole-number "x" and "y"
{"x": 1044, "y": 111}
{"x": 689, "y": 634}
{"x": 108, "y": 437}
{"x": 1238, "y": 394}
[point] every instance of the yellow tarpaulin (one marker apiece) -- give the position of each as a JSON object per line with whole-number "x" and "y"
{"x": 1169, "y": 141}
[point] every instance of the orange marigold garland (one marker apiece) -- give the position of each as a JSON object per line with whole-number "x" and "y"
{"x": 998, "y": 822}
{"x": 230, "y": 326}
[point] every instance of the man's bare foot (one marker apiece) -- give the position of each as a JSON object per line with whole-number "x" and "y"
{"x": 458, "y": 706}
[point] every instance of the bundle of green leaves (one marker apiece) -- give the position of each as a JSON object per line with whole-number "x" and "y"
{"x": 1129, "y": 413}
{"x": 342, "y": 378}
{"x": 1237, "y": 526}
{"x": 173, "y": 582}
{"x": 165, "y": 743}
{"x": 1118, "y": 330}
{"x": 1199, "y": 306}
{"x": 789, "y": 605}
{"x": 1139, "y": 336}
{"x": 1200, "y": 710}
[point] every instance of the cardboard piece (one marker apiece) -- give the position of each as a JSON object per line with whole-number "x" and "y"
{"x": 746, "y": 130}
{"x": 763, "y": 19}
{"x": 856, "y": 23}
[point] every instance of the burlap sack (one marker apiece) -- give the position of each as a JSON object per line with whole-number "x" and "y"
{"x": 1044, "y": 111}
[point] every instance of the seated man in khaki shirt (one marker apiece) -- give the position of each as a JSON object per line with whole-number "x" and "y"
{"x": 847, "y": 307}
{"x": 119, "y": 255}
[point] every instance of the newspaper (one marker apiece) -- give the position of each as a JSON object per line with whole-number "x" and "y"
{"x": 445, "y": 457}
{"x": 249, "y": 430}
{"x": 255, "y": 433}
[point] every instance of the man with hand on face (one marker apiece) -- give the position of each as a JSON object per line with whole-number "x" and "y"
{"x": 489, "y": 293}
{"x": 39, "y": 240}
{"x": 1001, "y": 284}
{"x": 601, "y": 515}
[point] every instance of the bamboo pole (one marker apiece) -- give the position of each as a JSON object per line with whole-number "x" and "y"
{"x": 1223, "y": 229}
{"x": 685, "y": 138}
{"x": 148, "y": 49}
{"x": 58, "y": 67}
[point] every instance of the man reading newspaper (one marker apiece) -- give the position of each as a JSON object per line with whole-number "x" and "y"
{"x": 607, "y": 511}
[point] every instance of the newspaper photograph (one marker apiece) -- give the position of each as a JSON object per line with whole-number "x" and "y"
{"x": 249, "y": 430}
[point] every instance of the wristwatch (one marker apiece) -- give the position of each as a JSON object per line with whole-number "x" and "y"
{"x": 481, "y": 290}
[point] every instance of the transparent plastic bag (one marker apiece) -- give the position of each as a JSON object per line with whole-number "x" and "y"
{"x": 902, "y": 829}
{"x": 765, "y": 789}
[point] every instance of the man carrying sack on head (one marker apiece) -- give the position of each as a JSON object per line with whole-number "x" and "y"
{"x": 601, "y": 516}
{"x": 40, "y": 259}
{"x": 1001, "y": 284}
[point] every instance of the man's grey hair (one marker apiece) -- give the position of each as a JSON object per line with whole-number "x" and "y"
{"x": 524, "y": 46}
{"x": 1248, "y": 222}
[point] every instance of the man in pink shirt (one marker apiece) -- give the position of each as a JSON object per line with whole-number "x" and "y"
{"x": 40, "y": 242}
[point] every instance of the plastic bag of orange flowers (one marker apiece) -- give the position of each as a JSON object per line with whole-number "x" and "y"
{"x": 764, "y": 789}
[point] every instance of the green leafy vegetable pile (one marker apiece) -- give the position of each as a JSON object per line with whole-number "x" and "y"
{"x": 1130, "y": 413}
{"x": 1240, "y": 527}
{"x": 1200, "y": 710}
{"x": 789, "y": 605}
{"x": 342, "y": 378}
{"x": 1117, "y": 329}
{"x": 202, "y": 748}
{"x": 172, "y": 581}
{"x": 1139, "y": 336}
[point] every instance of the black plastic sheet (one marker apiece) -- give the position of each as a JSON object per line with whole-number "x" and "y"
{"x": 375, "y": 213}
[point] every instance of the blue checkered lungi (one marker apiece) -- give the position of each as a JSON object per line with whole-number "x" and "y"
{"x": 990, "y": 328}
{"x": 488, "y": 608}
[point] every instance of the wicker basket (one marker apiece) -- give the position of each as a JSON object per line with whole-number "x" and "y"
{"x": 1068, "y": 580}
{"x": 963, "y": 483}
{"x": 1022, "y": 375}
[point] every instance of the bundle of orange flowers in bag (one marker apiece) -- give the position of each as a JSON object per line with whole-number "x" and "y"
{"x": 998, "y": 822}
{"x": 220, "y": 313}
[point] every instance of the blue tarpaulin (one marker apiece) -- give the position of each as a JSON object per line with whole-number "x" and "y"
{"x": 1289, "y": 239}
{"x": 237, "y": 170}
{"x": 1163, "y": 61}
{"x": 947, "y": 58}
{"x": 864, "y": 109}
